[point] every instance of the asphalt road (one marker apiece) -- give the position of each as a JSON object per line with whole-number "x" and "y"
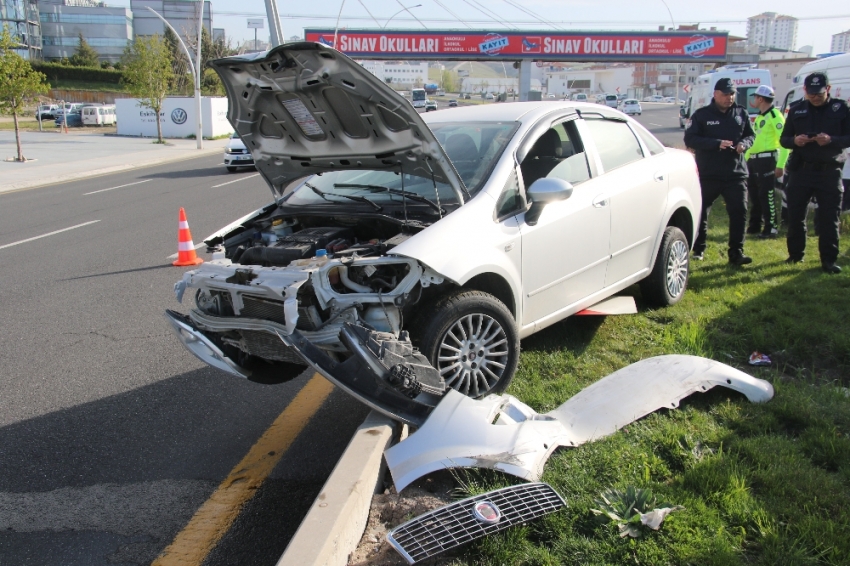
{"x": 111, "y": 434}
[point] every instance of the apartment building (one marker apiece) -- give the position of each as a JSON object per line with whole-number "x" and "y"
{"x": 770, "y": 29}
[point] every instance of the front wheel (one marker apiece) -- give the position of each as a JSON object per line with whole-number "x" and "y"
{"x": 668, "y": 279}
{"x": 471, "y": 339}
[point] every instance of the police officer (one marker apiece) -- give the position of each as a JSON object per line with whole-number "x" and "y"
{"x": 765, "y": 162}
{"x": 719, "y": 134}
{"x": 817, "y": 130}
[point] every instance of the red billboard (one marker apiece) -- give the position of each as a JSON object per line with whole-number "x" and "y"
{"x": 574, "y": 46}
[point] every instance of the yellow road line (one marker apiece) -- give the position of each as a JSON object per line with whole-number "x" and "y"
{"x": 215, "y": 516}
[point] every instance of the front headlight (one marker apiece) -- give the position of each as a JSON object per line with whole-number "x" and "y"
{"x": 228, "y": 150}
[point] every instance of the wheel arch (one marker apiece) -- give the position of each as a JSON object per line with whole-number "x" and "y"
{"x": 496, "y": 285}
{"x": 684, "y": 221}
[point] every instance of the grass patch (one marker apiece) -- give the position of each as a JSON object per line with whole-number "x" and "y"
{"x": 761, "y": 484}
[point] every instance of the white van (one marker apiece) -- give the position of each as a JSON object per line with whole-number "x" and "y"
{"x": 580, "y": 97}
{"x": 746, "y": 78}
{"x": 99, "y": 115}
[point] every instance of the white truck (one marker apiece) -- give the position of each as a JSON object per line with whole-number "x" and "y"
{"x": 746, "y": 79}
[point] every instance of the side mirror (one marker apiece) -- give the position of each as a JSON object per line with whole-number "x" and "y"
{"x": 542, "y": 192}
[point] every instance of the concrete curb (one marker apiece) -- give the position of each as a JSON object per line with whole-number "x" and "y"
{"x": 36, "y": 183}
{"x": 332, "y": 528}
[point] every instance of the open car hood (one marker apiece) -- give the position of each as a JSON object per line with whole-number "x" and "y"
{"x": 305, "y": 108}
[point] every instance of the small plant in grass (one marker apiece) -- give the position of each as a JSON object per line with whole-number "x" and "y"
{"x": 631, "y": 509}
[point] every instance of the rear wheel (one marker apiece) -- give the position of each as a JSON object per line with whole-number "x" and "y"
{"x": 471, "y": 339}
{"x": 668, "y": 280}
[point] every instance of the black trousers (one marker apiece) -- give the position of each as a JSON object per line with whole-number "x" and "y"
{"x": 826, "y": 186}
{"x": 762, "y": 190}
{"x": 734, "y": 192}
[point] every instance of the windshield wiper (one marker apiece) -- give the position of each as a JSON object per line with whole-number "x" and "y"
{"x": 406, "y": 194}
{"x": 325, "y": 195}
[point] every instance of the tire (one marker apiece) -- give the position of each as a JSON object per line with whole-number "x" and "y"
{"x": 667, "y": 282}
{"x": 460, "y": 329}
{"x": 231, "y": 169}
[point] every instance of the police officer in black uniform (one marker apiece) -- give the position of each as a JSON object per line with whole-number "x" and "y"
{"x": 719, "y": 134}
{"x": 817, "y": 131}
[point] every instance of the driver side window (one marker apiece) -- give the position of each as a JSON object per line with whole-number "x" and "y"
{"x": 559, "y": 154}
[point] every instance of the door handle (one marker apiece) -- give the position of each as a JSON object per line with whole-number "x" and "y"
{"x": 600, "y": 201}
{"x": 658, "y": 176}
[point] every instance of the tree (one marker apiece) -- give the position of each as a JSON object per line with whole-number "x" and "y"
{"x": 183, "y": 79}
{"x": 148, "y": 74}
{"x": 449, "y": 81}
{"x": 85, "y": 55}
{"x": 19, "y": 83}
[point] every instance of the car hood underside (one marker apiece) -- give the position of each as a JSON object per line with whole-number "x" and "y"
{"x": 304, "y": 108}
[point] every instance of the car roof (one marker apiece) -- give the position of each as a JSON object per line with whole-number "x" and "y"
{"x": 512, "y": 111}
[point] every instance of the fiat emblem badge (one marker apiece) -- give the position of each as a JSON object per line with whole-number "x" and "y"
{"x": 486, "y": 512}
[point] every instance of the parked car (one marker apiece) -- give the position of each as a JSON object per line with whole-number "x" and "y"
{"x": 467, "y": 96}
{"x": 580, "y": 97}
{"x": 72, "y": 120}
{"x": 489, "y": 96}
{"x": 670, "y": 99}
{"x": 422, "y": 234}
{"x": 47, "y": 111}
{"x": 69, "y": 107}
{"x": 550, "y": 96}
{"x": 631, "y": 106}
{"x": 236, "y": 154}
{"x": 430, "y": 105}
{"x": 452, "y": 102}
{"x": 654, "y": 98}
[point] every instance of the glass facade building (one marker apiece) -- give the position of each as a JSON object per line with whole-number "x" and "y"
{"x": 20, "y": 17}
{"x": 106, "y": 29}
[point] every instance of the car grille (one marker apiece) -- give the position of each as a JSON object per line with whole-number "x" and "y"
{"x": 455, "y": 524}
{"x": 266, "y": 346}
{"x": 263, "y": 308}
{"x": 241, "y": 151}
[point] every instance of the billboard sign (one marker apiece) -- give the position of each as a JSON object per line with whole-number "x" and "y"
{"x": 708, "y": 47}
{"x": 255, "y": 24}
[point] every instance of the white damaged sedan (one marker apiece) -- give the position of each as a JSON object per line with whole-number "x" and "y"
{"x": 405, "y": 254}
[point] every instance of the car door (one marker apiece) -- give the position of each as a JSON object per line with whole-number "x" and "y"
{"x": 565, "y": 254}
{"x": 636, "y": 182}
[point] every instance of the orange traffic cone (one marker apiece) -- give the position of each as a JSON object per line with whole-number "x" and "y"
{"x": 185, "y": 247}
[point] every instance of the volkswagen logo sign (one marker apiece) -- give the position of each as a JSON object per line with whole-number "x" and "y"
{"x": 486, "y": 512}
{"x": 179, "y": 116}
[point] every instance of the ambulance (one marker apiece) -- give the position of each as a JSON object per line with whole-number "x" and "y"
{"x": 836, "y": 68}
{"x": 746, "y": 78}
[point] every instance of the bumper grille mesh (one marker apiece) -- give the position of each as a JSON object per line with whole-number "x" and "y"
{"x": 262, "y": 308}
{"x": 454, "y": 525}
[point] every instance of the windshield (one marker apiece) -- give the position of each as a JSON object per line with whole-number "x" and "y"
{"x": 473, "y": 148}
{"x": 417, "y": 94}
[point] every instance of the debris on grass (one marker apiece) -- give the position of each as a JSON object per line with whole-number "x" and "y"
{"x": 631, "y": 509}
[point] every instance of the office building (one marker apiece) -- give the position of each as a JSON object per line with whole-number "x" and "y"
{"x": 20, "y": 17}
{"x": 181, "y": 14}
{"x": 840, "y": 42}
{"x": 108, "y": 30}
{"x": 770, "y": 29}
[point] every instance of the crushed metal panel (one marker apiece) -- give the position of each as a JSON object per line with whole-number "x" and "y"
{"x": 501, "y": 433}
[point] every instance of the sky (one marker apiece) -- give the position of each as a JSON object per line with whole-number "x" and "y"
{"x": 818, "y": 22}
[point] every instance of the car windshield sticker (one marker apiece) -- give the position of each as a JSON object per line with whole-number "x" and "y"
{"x": 303, "y": 117}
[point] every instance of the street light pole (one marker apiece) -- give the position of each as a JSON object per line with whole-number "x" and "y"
{"x": 676, "y": 87}
{"x": 194, "y": 68}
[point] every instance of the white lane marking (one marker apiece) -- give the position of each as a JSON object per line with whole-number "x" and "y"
{"x": 48, "y": 234}
{"x": 118, "y": 187}
{"x": 654, "y": 124}
{"x": 197, "y": 247}
{"x": 236, "y": 180}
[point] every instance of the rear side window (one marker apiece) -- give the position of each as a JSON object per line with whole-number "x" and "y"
{"x": 615, "y": 141}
